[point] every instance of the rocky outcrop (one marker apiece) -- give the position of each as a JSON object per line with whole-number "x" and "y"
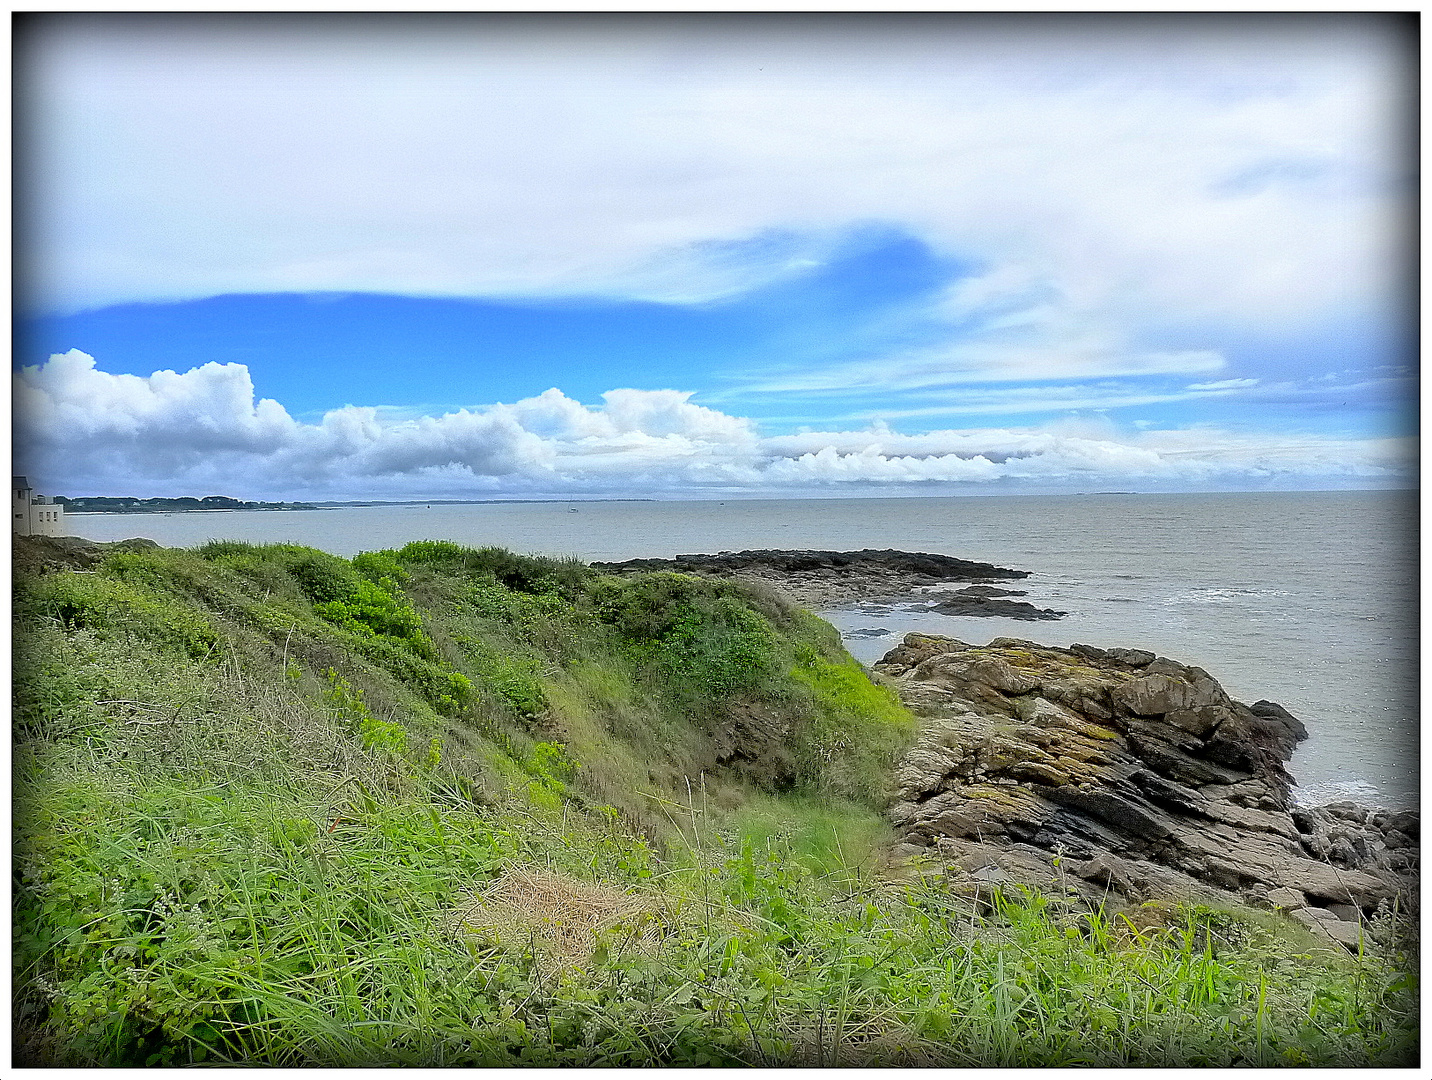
{"x": 825, "y": 578}
{"x": 1114, "y": 773}
{"x": 988, "y": 601}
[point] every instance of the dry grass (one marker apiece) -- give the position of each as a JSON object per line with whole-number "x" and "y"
{"x": 560, "y": 917}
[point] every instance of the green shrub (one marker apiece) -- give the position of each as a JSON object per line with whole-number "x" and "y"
{"x": 448, "y": 692}
{"x": 644, "y": 608}
{"x": 47, "y": 690}
{"x": 372, "y": 609}
{"x": 495, "y": 601}
{"x": 321, "y": 576}
{"x": 381, "y": 568}
{"x": 91, "y": 601}
{"x": 522, "y": 573}
{"x": 513, "y": 677}
{"x": 222, "y": 549}
{"x": 346, "y": 704}
{"x": 528, "y": 573}
{"x": 430, "y": 551}
{"x": 552, "y": 769}
{"x": 703, "y": 642}
{"x": 712, "y": 650}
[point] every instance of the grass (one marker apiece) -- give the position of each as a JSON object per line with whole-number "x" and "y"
{"x": 259, "y": 820}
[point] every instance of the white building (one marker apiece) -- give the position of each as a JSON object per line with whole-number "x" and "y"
{"x": 34, "y": 515}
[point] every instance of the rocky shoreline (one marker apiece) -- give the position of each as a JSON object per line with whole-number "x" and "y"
{"x": 824, "y": 579}
{"x": 1121, "y": 776}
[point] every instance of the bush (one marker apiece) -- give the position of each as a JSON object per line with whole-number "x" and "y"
{"x": 321, "y": 576}
{"x": 381, "y": 568}
{"x": 91, "y": 601}
{"x": 644, "y": 608}
{"x": 521, "y": 573}
{"x": 430, "y": 551}
{"x": 371, "y": 609}
{"x": 702, "y": 642}
{"x": 346, "y": 705}
{"x": 514, "y": 678}
{"x": 448, "y": 692}
{"x": 712, "y": 650}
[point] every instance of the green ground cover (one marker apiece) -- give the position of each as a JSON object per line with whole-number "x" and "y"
{"x": 447, "y": 806}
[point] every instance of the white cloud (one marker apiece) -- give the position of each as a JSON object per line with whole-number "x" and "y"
{"x": 1224, "y": 384}
{"x": 1203, "y": 169}
{"x": 81, "y": 430}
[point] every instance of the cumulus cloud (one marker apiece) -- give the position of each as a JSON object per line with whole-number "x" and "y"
{"x": 82, "y": 430}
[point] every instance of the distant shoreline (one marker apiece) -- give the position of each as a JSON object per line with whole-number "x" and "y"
{"x": 272, "y": 508}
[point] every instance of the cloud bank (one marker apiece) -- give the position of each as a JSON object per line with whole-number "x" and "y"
{"x": 81, "y": 430}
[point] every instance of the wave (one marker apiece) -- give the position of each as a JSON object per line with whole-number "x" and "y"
{"x": 1219, "y": 596}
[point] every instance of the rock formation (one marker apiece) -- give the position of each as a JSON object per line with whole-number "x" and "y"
{"x": 1113, "y": 773}
{"x": 987, "y": 600}
{"x": 826, "y": 578}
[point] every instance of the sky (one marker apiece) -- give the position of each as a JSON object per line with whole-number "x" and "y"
{"x": 338, "y": 257}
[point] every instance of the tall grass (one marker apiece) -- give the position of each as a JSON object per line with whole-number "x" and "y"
{"x": 259, "y": 821}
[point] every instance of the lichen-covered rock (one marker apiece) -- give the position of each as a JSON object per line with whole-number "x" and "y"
{"x": 1132, "y": 775}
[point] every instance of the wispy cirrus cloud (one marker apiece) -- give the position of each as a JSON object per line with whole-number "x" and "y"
{"x": 1225, "y": 168}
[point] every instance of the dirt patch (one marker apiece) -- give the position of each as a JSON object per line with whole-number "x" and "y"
{"x": 560, "y": 917}
{"x": 46, "y": 554}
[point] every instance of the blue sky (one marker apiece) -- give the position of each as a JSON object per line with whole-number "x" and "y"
{"x": 691, "y": 257}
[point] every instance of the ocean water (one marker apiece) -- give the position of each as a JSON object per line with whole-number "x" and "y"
{"x": 1304, "y": 598}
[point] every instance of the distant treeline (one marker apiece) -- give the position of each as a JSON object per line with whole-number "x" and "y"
{"x": 124, "y": 504}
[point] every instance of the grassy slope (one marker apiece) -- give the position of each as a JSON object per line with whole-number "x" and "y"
{"x": 443, "y": 806}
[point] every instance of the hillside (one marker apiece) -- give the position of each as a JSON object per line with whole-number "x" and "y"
{"x": 445, "y": 806}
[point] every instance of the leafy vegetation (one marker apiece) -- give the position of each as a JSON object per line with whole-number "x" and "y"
{"x": 445, "y": 806}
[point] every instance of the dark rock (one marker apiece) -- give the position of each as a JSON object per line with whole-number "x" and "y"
{"x": 1254, "y": 744}
{"x": 1272, "y": 711}
{"x": 1165, "y": 758}
{"x": 989, "y": 590}
{"x": 1111, "y": 872}
{"x": 1174, "y": 796}
{"x": 993, "y": 608}
{"x": 1125, "y": 814}
{"x": 1406, "y": 821}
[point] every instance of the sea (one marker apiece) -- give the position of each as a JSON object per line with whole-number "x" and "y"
{"x": 1309, "y": 599}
